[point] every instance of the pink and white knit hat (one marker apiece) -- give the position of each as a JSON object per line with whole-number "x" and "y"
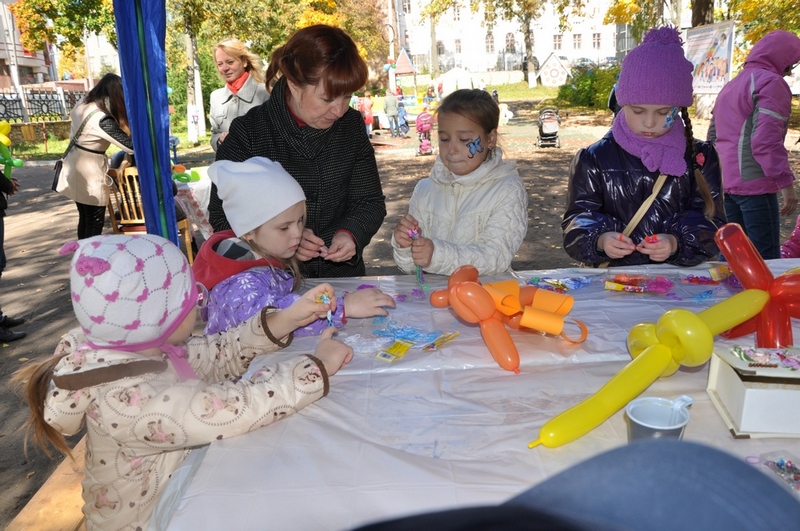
{"x": 129, "y": 292}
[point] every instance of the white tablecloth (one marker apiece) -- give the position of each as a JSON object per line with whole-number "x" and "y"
{"x": 448, "y": 428}
{"x": 195, "y": 196}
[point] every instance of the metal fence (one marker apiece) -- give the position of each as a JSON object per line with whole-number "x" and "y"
{"x": 38, "y": 105}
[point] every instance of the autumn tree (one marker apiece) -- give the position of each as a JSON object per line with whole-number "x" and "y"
{"x": 759, "y": 17}
{"x": 60, "y": 21}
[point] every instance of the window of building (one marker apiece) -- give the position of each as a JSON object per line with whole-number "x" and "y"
{"x": 406, "y": 40}
{"x": 406, "y": 6}
{"x": 510, "y": 46}
{"x": 556, "y": 42}
{"x": 456, "y": 11}
{"x": 440, "y": 47}
{"x": 576, "y": 42}
{"x": 596, "y": 41}
{"x": 458, "y": 45}
{"x": 489, "y": 43}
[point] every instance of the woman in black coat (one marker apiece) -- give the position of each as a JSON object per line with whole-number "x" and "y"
{"x": 308, "y": 127}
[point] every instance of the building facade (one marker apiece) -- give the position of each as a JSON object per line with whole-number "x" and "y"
{"x": 462, "y": 39}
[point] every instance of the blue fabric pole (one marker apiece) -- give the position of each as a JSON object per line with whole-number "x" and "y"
{"x": 141, "y": 32}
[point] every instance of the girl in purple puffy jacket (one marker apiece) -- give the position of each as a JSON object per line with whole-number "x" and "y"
{"x": 253, "y": 265}
{"x": 650, "y": 153}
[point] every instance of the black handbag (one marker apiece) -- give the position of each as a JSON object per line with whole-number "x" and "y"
{"x": 57, "y": 173}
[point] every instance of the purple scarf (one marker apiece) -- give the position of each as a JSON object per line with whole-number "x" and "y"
{"x": 664, "y": 154}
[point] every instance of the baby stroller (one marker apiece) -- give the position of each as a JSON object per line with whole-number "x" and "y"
{"x": 424, "y": 124}
{"x": 548, "y": 121}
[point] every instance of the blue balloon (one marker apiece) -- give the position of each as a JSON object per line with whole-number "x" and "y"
{"x": 386, "y": 68}
{"x": 169, "y": 91}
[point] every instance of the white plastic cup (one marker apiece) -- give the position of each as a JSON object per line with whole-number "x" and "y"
{"x": 655, "y": 418}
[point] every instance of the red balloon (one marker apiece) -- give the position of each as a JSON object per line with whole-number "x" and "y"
{"x": 500, "y": 344}
{"x": 747, "y": 327}
{"x": 785, "y": 289}
{"x": 774, "y": 326}
{"x": 465, "y": 273}
{"x": 743, "y": 258}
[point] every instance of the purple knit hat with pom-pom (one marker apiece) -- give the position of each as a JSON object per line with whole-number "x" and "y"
{"x": 656, "y": 72}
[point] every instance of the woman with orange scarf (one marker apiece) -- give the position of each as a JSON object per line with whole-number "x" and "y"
{"x": 243, "y": 73}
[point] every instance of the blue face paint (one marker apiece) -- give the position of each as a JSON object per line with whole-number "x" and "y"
{"x": 669, "y": 120}
{"x": 474, "y": 147}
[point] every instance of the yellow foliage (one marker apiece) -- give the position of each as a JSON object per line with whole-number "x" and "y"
{"x": 311, "y": 17}
{"x": 621, "y": 12}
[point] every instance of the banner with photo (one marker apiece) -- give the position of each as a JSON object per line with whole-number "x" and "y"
{"x": 710, "y": 49}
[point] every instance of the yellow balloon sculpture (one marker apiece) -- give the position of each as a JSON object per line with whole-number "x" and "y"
{"x": 679, "y": 338}
{"x": 5, "y": 155}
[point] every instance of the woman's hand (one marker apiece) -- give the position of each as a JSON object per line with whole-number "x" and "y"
{"x": 406, "y": 223}
{"x": 367, "y": 303}
{"x": 342, "y": 248}
{"x": 332, "y": 353}
{"x": 422, "y": 251}
{"x": 311, "y": 246}
{"x": 615, "y": 244}
{"x": 658, "y": 247}
{"x": 221, "y": 137}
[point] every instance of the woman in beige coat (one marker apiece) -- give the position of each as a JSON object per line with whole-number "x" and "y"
{"x": 244, "y": 88}
{"x": 98, "y": 121}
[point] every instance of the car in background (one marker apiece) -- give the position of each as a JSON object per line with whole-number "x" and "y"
{"x": 608, "y": 62}
{"x": 584, "y": 63}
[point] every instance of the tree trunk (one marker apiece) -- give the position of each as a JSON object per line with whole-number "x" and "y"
{"x": 191, "y": 107}
{"x": 530, "y": 72}
{"x": 702, "y": 12}
{"x": 434, "y": 51}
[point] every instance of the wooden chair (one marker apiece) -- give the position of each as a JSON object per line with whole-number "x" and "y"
{"x": 127, "y": 213}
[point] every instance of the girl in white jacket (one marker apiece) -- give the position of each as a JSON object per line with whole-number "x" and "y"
{"x": 473, "y": 209}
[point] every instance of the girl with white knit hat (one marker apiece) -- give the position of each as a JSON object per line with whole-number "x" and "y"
{"x": 253, "y": 265}
{"x": 146, "y": 389}
{"x": 648, "y": 192}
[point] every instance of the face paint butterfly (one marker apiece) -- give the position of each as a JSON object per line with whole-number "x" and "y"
{"x": 669, "y": 120}
{"x": 474, "y": 147}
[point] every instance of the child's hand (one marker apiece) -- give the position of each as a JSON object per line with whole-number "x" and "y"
{"x": 615, "y": 244}
{"x": 331, "y": 352}
{"x": 658, "y": 247}
{"x": 311, "y": 246}
{"x": 407, "y": 223}
{"x": 422, "y": 251}
{"x": 367, "y": 303}
{"x": 306, "y": 309}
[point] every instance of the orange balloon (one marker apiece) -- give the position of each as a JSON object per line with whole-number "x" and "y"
{"x": 526, "y": 295}
{"x": 462, "y": 310}
{"x": 477, "y": 299}
{"x": 500, "y": 344}
{"x": 465, "y": 273}
{"x": 439, "y": 298}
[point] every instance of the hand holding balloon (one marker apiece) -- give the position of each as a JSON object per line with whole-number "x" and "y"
{"x": 6, "y": 159}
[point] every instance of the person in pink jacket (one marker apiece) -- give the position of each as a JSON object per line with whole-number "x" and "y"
{"x": 749, "y": 126}
{"x": 791, "y": 247}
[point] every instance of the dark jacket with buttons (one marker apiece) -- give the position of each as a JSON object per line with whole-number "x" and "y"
{"x": 606, "y": 187}
{"x": 336, "y": 168}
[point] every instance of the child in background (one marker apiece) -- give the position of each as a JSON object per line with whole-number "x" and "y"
{"x": 147, "y": 390}
{"x": 473, "y": 207}
{"x": 402, "y": 119}
{"x": 791, "y": 247}
{"x": 611, "y": 179}
{"x": 253, "y": 265}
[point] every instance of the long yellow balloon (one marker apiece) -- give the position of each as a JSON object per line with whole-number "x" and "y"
{"x": 679, "y": 338}
{"x": 585, "y": 416}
